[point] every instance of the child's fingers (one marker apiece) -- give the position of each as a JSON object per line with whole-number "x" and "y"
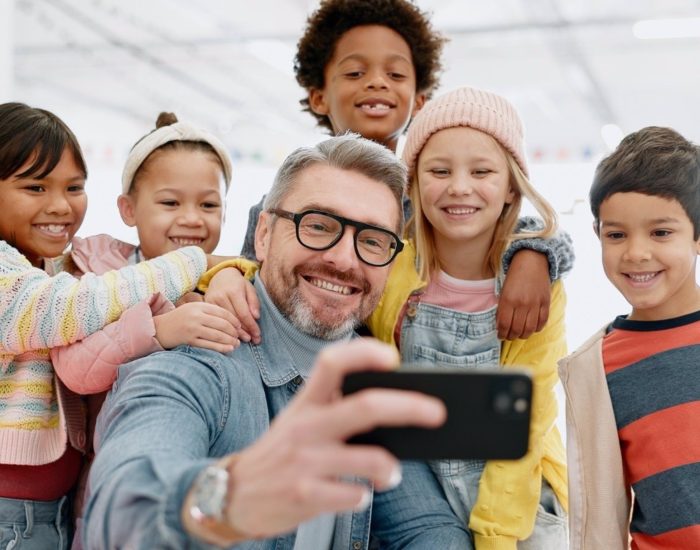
{"x": 236, "y": 302}
{"x": 215, "y": 346}
{"x": 216, "y": 334}
{"x": 188, "y": 298}
{"x": 518, "y": 325}
{"x": 218, "y": 324}
{"x": 504, "y": 319}
{"x": 253, "y": 301}
{"x": 243, "y": 312}
{"x": 254, "y": 309}
{"x": 221, "y": 299}
{"x": 213, "y": 311}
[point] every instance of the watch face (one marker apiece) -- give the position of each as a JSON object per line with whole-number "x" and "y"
{"x": 211, "y": 488}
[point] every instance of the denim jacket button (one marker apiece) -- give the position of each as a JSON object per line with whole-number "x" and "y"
{"x": 356, "y": 545}
{"x": 297, "y": 381}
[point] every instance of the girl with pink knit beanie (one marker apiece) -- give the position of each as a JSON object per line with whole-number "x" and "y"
{"x": 468, "y": 176}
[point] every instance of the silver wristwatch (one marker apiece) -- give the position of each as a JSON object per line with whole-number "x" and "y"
{"x": 210, "y": 490}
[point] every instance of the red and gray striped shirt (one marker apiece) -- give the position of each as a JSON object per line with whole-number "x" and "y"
{"x": 653, "y": 375}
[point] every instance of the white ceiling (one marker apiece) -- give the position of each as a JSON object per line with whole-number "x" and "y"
{"x": 570, "y": 66}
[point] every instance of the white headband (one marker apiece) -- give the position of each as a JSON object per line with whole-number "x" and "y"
{"x": 179, "y": 131}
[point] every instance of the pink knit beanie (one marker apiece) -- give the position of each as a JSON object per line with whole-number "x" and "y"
{"x": 478, "y": 109}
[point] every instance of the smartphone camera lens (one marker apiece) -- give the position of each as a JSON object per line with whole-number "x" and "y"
{"x": 519, "y": 387}
{"x": 502, "y": 403}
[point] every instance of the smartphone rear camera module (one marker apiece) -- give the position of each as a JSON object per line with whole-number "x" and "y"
{"x": 502, "y": 403}
{"x": 520, "y": 405}
{"x": 519, "y": 388}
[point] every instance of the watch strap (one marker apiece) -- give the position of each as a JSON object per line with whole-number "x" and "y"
{"x": 208, "y": 512}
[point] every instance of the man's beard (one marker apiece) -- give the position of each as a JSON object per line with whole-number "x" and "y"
{"x": 288, "y": 298}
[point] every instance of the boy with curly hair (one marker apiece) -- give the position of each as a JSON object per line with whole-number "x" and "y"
{"x": 367, "y": 66}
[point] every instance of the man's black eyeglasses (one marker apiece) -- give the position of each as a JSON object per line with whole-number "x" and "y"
{"x": 319, "y": 230}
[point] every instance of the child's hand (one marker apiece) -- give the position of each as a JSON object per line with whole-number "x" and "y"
{"x": 198, "y": 324}
{"x": 189, "y": 297}
{"x": 523, "y": 307}
{"x": 230, "y": 290}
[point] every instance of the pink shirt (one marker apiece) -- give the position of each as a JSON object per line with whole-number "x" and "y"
{"x": 465, "y": 296}
{"x": 456, "y": 294}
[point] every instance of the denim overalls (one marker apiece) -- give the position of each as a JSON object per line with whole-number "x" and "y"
{"x": 440, "y": 337}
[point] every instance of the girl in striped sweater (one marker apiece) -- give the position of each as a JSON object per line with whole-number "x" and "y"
{"x": 42, "y": 422}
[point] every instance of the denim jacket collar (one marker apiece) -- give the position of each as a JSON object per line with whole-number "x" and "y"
{"x": 288, "y": 352}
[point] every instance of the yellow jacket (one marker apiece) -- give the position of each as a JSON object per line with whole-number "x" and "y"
{"x": 509, "y": 491}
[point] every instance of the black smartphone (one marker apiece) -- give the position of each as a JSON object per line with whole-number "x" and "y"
{"x": 488, "y": 413}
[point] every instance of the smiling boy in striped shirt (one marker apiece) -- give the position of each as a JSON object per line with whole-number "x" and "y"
{"x": 633, "y": 390}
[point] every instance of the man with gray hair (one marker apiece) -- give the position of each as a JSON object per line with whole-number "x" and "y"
{"x": 249, "y": 448}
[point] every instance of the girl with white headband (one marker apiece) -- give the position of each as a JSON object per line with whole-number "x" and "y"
{"x": 174, "y": 187}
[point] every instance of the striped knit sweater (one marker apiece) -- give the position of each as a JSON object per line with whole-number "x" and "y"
{"x": 38, "y": 415}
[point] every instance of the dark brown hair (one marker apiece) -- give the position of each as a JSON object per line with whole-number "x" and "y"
{"x": 28, "y": 134}
{"x": 334, "y": 18}
{"x": 654, "y": 161}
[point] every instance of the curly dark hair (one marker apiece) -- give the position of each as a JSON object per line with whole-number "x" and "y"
{"x": 334, "y": 18}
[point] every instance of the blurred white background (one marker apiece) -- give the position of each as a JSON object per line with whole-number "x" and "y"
{"x": 582, "y": 73}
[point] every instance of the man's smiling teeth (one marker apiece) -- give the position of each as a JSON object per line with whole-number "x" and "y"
{"x": 325, "y": 285}
{"x": 185, "y": 242}
{"x": 53, "y": 228}
{"x": 461, "y": 210}
{"x": 642, "y": 277}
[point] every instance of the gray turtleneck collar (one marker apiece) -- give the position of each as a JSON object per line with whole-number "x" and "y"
{"x": 297, "y": 350}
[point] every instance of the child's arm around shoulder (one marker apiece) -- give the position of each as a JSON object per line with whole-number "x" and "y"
{"x": 558, "y": 249}
{"x": 38, "y": 311}
{"x": 530, "y": 264}
{"x": 90, "y": 366}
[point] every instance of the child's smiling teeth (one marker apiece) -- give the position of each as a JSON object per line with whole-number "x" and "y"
{"x": 181, "y": 241}
{"x": 56, "y": 229}
{"x": 461, "y": 210}
{"x": 325, "y": 285}
{"x": 642, "y": 277}
{"x": 375, "y": 108}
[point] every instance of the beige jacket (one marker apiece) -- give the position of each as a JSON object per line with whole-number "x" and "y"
{"x": 599, "y": 499}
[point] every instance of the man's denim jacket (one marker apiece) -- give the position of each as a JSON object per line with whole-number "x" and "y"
{"x": 172, "y": 413}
